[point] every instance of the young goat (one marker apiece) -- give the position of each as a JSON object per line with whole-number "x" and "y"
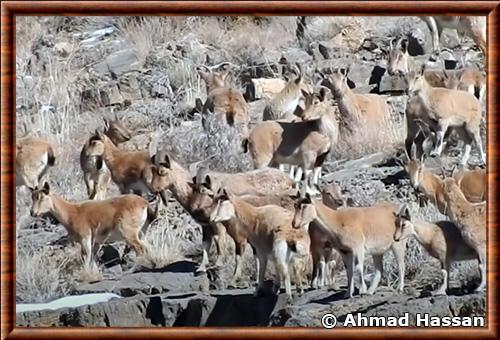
{"x": 126, "y": 167}
{"x": 471, "y": 220}
{"x": 465, "y": 79}
{"x": 270, "y": 232}
{"x": 96, "y": 174}
{"x": 355, "y": 109}
{"x": 91, "y": 223}
{"x": 203, "y": 200}
{"x": 354, "y": 232}
{"x": 305, "y": 144}
{"x": 427, "y": 183}
{"x": 170, "y": 175}
{"x": 228, "y": 104}
{"x": 442, "y": 240}
{"x": 444, "y": 108}
{"x": 283, "y": 104}
{"x": 34, "y": 156}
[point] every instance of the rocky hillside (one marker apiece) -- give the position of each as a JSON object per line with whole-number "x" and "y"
{"x": 71, "y": 72}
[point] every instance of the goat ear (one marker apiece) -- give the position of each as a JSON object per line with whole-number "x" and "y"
{"x": 404, "y": 45}
{"x": 304, "y": 93}
{"x": 203, "y": 74}
{"x": 46, "y": 188}
{"x": 166, "y": 161}
{"x": 298, "y": 79}
{"x": 208, "y": 182}
{"x": 322, "y": 94}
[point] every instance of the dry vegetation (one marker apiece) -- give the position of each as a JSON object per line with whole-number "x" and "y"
{"x": 62, "y": 94}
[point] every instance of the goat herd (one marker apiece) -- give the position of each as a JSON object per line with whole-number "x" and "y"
{"x": 282, "y": 221}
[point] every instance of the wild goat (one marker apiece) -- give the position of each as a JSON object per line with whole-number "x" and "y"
{"x": 465, "y": 79}
{"x": 91, "y": 223}
{"x": 226, "y": 103}
{"x": 443, "y": 109}
{"x": 203, "y": 200}
{"x": 305, "y": 144}
{"x": 442, "y": 240}
{"x": 472, "y": 26}
{"x": 34, "y": 156}
{"x": 427, "y": 183}
{"x": 270, "y": 232}
{"x": 472, "y": 183}
{"x": 471, "y": 220}
{"x": 126, "y": 167}
{"x": 167, "y": 174}
{"x": 96, "y": 174}
{"x": 283, "y": 104}
{"x": 354, "y": 232}
{"x": 355, "y": 108}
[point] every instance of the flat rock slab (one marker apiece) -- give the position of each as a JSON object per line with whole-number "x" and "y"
{"x": 238, "y": 307}
{"x": 148, "y": 283}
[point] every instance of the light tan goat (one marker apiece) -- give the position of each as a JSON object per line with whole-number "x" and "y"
{"x": 91, "y": 223}
{"x": 96, "y": 174}
{"x": 283, "y": 104}
{"x": 468, "y": 79}
{"x": 443, "y": 109}
{"x": 203, "y": 200}
{"x": 471, "y": 220}
{"x": 355, "y": 109}
{"x": 126, "y": 167}
{"x": 34, "y": 157}
{"x": 427, "y": 183}
{"x": 304, "y": 144}
{"x": 471, "y": 26}
{"x": 473, "y": 184}
{"x": 170, "y": 175}
{"x": 442, "y": 240}
{"x": 354, "y": 232}
{"x": 226, "y": 103}
{"x": 270, "y": 232}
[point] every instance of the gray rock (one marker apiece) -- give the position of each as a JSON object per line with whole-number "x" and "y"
{"x": 148, "y": 283}
{"x": 121, "y": 62}
{"x": 238, "y": 307}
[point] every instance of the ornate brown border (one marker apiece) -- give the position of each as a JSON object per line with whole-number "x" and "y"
{"x": 11, "y": 8}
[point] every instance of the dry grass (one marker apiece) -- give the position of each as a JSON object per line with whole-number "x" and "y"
{"x": 49, "y": 88}
{"x": 360, "y": 142}
{"x": 40, "y": 275}
{"x": 165, "y": 244}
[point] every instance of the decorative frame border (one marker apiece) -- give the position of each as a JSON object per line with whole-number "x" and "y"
{"x": 9, "y": 9}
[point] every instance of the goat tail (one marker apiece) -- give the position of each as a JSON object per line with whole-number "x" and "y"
{"x": 244, "y": 144}
{"x": 51, "y": 157}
